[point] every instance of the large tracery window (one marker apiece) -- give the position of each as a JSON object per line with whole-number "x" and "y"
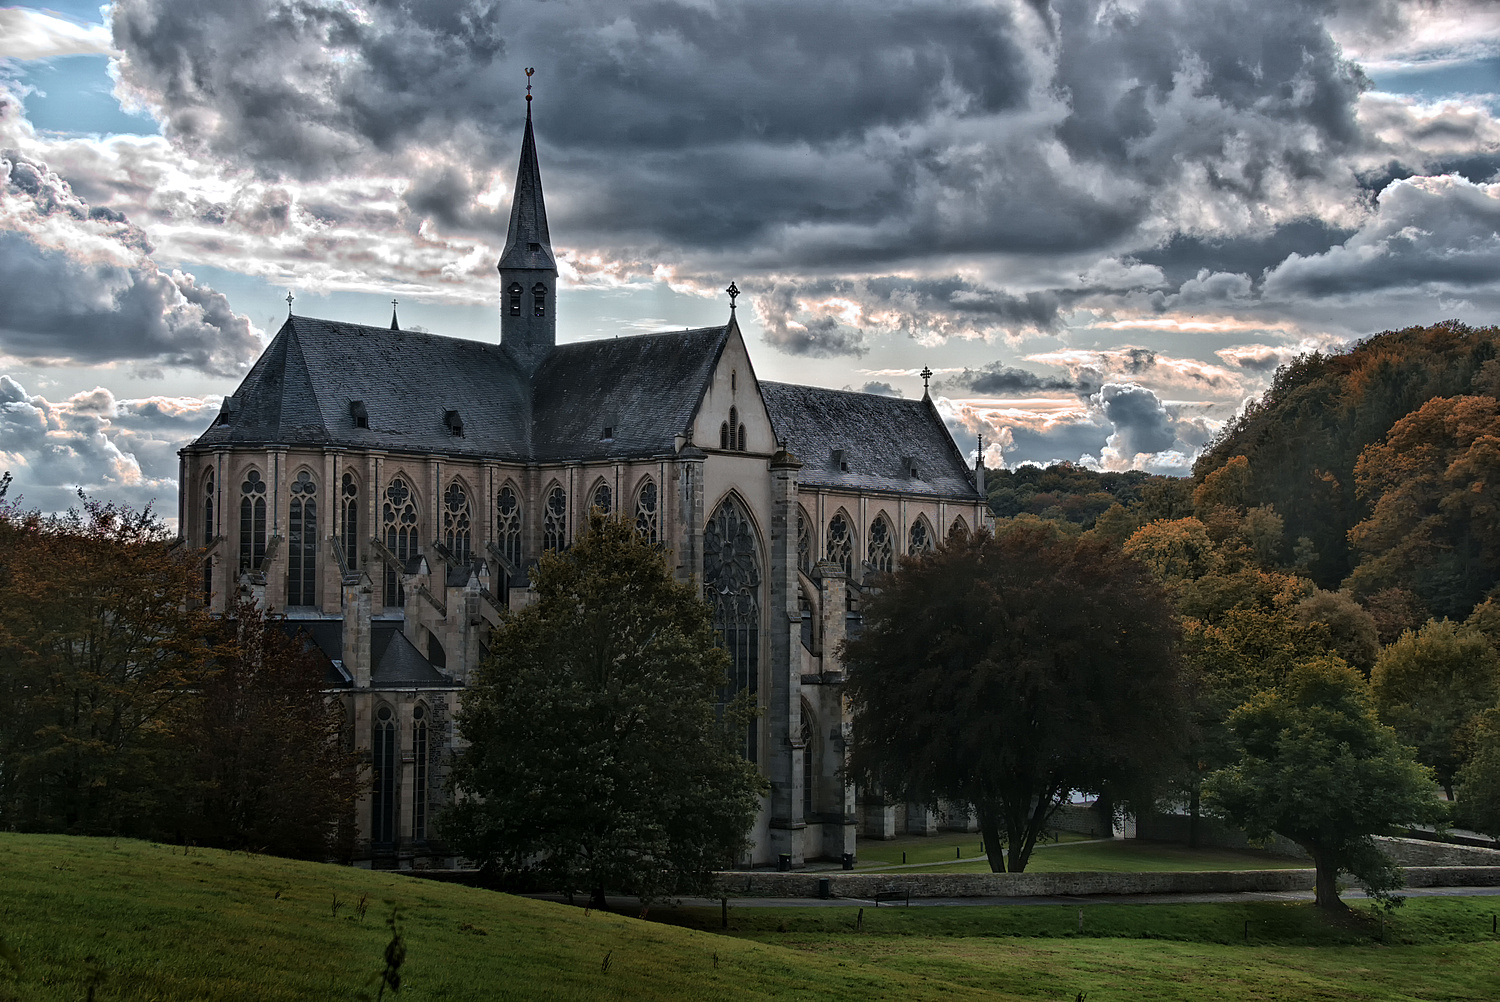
{"x": 647, "y": 523}
{"x": 398, "y": 515}
{"x": 804, "y": 542}
{"x": 419, "y": 773}
{"x": 302, "y": 542}
{"x": 252, "y": 522}
{"x": 882, "y": 547}
{"x": 383, "y": 779}
{"x": 920, "y": 537}
{"x": 508, "y": 526}
{"x": 555, "y": 520}
{"x": 208, "y": 509}
{"x": 603, "y": 499}
{"x": 731, "y": 578}
{"x": 457, "y": 534}
{"x": 959, "y": 527}
{"x": 349, "y": 520}
{"x": 840, "y": 544}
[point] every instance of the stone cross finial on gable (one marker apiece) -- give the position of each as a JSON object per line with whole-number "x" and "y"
{"x": 289, "y": 298}
{"x": 926, "y": 374}
{"x": 734, "y": 291}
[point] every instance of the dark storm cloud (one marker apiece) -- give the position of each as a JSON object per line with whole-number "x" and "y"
{"x": 1183, "y": 256}
{"x": 882, "y": 389}
{"x": 1141, "y": 423}
{"x": 92, "y": 294}
{"x": 1000, "y": 380}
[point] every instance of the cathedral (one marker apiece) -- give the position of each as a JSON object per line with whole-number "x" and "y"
{"x": 387, "y": 492}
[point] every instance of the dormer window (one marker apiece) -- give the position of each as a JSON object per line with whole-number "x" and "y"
{"x": 515, "y": 291}
{"x": 227, "y": 410}
{"x": 841, "y": 460}
{"x": 360, "y": 415}
{"x": 609, "y": 433}
{"x": 454, "y": 422}
{"x": 534, "y": 248}
{"x": 539, "y": 300}
{"x": 909, "y": 467}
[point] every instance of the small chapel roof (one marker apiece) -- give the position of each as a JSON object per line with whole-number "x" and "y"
{"x": 867, "y": 442}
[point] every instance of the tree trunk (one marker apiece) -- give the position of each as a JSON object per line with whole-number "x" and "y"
{"x": 989, "y": 829}
{"x": 1195, "y": 808}
{"x": 1104, "y": 807}
{"x": 596, "y": 899}
{"x": 1326, "y": 893}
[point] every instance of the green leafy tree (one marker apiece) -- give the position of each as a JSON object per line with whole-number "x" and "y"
{"x": 1430, "y": 686}
{"x": 1317, "y": 767}
{"x": 267, "y": 765}
{"x": 594, "y": 758}
{"x": 1006, "y": 671}
{"x": 1351, "y": 631}
{"x": 1478, "y": 781}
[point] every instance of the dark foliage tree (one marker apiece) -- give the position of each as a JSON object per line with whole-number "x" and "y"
{"x": 1006, "y": 671}
{"x": 595, "y": 760}
{"x": 101, "y": 651}
{"x": 1478, "y": 781}
{"x": 267, "y": 763}
{"x": 1319, "y": 769}
{"x": 1304, "y": 436}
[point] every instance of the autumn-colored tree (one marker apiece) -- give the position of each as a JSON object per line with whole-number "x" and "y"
{"x": 101, "y": 650}
{"x": 1005, "y": 671}
{"x": 1433, "y": 485}
{"x": 267, "y": 765}
{"x": 1174, "y": 550}
{"x": 1317, "y": 767}
{"x": 1350, "y": 630}
{"x": 1431, "y": 685}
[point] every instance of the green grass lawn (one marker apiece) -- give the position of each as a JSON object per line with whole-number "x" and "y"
{"x": 1071, "y": 854}
{"x": 124, "y": 920}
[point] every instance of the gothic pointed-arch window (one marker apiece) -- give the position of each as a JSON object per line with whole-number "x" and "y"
{"x": 740, "y": 440}
{"x": 724, "y": 435}
{"x": 732, "y": 580}
{"x": 514, "y": 293}
{"x": 252, "y": 522}
{"x": 647, "y": 523}
{"x": 958, "y": 528}
{"x": 420, "y": 752}
{"x": 555, "y": 520}
{"x": 804, "y": 542}
{"x": 809, "y": 737}
{"x": 603, "y": 498}
{"x": 302, "y": 542}
{"x": 508, "y": 524}
{"x": 919, "y": 539}
{"x": 882, "y": 546}
{"x": 398, "y": 517}
{"x": 457, "y": 523}
{"x": 349, "y": 520}
{"x": 841, "y": 543}
{"x": 383, "y": 759}
{"x": 208, "y": 509}
{"x": 539, "y": 300}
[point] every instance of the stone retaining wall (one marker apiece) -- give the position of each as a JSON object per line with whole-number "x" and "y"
{"x": 865, "y": 886}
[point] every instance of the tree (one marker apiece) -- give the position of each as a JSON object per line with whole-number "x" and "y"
{"x": 1351, "y": 630}
{"x": 1005, "y": 671}
{"x": 1478, "y": 781}
{"x": 102, "y": 648}
{"x": 268, "y": 766}
{"x": 1319, "y": 769}
{"x": 595, "y": 759}
{"x": 1430, "y": 686}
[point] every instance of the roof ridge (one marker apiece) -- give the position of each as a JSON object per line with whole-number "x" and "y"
{"x": 829, "y": 389}
{"x": 641, "y": 337}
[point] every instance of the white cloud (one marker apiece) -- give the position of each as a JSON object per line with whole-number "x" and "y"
{"x": 34, "y": 34}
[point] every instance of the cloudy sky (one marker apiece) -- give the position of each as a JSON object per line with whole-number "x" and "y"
{"x": 1102, "y": 224}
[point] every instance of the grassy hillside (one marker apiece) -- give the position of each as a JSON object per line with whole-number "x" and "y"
{"x": 134, "y": 920}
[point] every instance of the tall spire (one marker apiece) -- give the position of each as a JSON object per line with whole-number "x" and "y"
{"x": 528, "y": 271}
{"x": 527, "y": 242}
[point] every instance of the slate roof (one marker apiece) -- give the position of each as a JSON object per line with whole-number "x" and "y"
{"x": 875, "y": 432}
{"x": 397, "y": 662}
{"x": 299, "y": 393}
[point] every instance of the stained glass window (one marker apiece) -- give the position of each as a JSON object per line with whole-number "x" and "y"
{"x": 508, "y": 513}
{"x": 252, "y": 522}
{"x": 959, "y": 527}
{"x": 350, "y": 519}
{"x": 646, "y": 521}
{"x": 882, "y": 549}
{"x": 398, "y": 514}
{"x": 456, "y": 523}
{"x": 302, "y": 542}
{"x": 840, "y": 545}
{"x": 419, "y": 754}
{"x": 383, "y": 779}
{"x": 731, "y": 579}
{"x": 920, "y": 537}
{"x": 604, "y": 499}
{"x": 208, "y": 509}
{"x": 804, "y": 542}
{"x": 555, "y": 520}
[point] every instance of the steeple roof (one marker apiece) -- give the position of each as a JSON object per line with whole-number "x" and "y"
{"x": 527, "y": 242}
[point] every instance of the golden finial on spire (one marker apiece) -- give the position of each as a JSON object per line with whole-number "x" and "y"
{"x": 529, "y": 71}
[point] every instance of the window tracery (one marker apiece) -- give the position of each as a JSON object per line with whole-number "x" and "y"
{"x": 457, "y": 529}
{"x": 646, "y": 521}
{"x": 920, "y": 537}
{"x": 804, "y": 542}
{"x": 252, "y": 522}
{"x": 604, "y": 498}
{"x": 732, "y": 578}
{"x": 555, "y": 520}
{"x": 302, "y": 542}
{"x": 419, "y": 773}
{"x": 398, "y": 514}
{"x": 881, "y": 549}
{"x": 958, "y": 528}
{"x": 508, "y": 511}
{"x": 349, "y": 520}
{"x": 383, "y": 759}
{"x": 840, "y": 543}
{"x": 208, "y": 509}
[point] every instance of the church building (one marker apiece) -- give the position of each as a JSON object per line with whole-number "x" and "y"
{"x": 386, "y": 491}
